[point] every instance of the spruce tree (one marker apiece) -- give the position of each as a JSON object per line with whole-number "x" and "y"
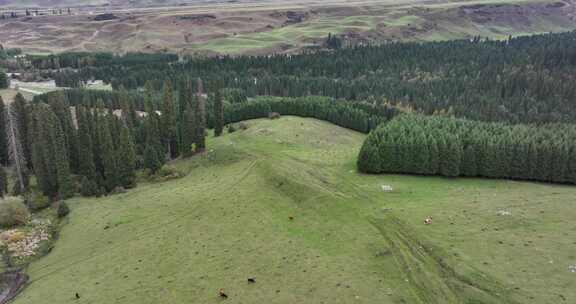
{"x": 85, "y": 146}
{"x": 469, "y": 166}
{"x": 152, "y": 124}
{"x": 3, "y": 182}
{"x": 61, "y": 108}
{"x": 4, "y": 157}
{"x": 126, "y": 156}
{"x": 450, "y": 156}
{"x": 168, "y": 119}
{"x": 188, "y": 131}
{"x": 108, "y": 154}
{"x": 151, "y": 160}
{"x": 129, "y": 115}
{"x": 94, "y": 121}
{"x": 4, "y": 81}
{"x": 218, "y": 113}
{"x": 22, "y": 115}
{"x": 49, "y": 154}
{"x": 200, "y": 118}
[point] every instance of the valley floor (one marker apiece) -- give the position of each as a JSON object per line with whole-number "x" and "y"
{"x": 348, "y": 241}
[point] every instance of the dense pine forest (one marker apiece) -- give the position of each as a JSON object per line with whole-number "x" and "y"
{"x": 93, "y": 148}
{"x": 436, "y": 145}
{"x": 523, "y": 79}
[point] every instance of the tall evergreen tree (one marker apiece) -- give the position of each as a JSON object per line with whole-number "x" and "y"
{"x": 4, "y": 81}
{"x": 108, "y": 154}
{"x": 129, "y": 114}
{"x": 126, "y": 156}
{"x": 200, "y": 117}
{"x": 4, "y": 157}
{"x": 218, "y": 113}
{"x": 151, "y": 160}
{"x": 49, "y": 154}
{"x": 3, "y": 182}
{"x": 85, "y": 145}
{"x": 188, "y": 131}
{"x": 61, "y": 108}
{"x": 21, "y": 114}
{"x": 169, "y": 121}
{"x": 152, "y": 124}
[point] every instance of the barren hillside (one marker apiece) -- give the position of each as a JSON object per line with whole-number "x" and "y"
{"x": 258, "y": 27}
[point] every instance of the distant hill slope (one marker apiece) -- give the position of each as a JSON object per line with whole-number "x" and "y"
{"x": 77, "y": 3}
{"x": 273, "y": 26}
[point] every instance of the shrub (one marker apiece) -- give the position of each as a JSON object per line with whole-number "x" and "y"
{"x": 274, "y": 115}
{"x": 13, "y": 212}
{"x": 152, "y": 159}
{"x": 118, "y": 190}
{"x": 63, "y": 209}
{"x": 37, "y": 201}
{"x": 242, "y": 126}
{"x": 168, "y": 173}
{"x": 231, "y": 128}
{"x": 88, "y": 187}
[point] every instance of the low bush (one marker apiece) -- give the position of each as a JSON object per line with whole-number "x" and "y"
{"x": 242, "y": 126}
{"x": 231, "y": 128}
{"x": 63, "y": 209}
{"x": 165, "y": 173}
{"x": 13, "y": 212}
{"x": 273, "y": 115}
{"x": 37, "y": 201}
{"x": 88, "y": 187}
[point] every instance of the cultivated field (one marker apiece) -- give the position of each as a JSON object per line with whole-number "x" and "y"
{"x": 260, "y": 27}
{"x": 348, "y": 242}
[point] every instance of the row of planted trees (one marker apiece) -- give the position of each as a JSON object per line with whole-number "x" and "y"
{"x": 94, "y": 147}
{"x": 438, "y": 145}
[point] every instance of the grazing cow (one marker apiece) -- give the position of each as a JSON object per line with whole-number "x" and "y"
{"x": 77, "y": 296}
{"x": 291, "y": 218}
{"x": 222, "y": 294}
{"x": 428, "y": 220}
{"x": 251, "y": 280}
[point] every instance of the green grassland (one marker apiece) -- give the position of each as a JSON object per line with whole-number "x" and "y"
{"x": 296, "y": 35}
{"x": 497, "y": 19}
{"x": 349, "y": 242}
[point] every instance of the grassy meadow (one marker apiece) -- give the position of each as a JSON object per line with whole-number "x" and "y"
{"x": 348, "y": 241}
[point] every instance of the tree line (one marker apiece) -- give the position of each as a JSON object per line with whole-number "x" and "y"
{"x": 447, "y": 146}
{"x": 93, "y": 147}
{"x": 523, "y": 79}
{"x": 4, "y": 80}
{"x": 360, "y": 117}
{"x": 233, "y": 106}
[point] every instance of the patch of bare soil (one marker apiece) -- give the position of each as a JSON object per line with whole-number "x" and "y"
{"x": 517, "y": 14}
{"x": 291, "y": 17}
{"x": 197, "y": 19}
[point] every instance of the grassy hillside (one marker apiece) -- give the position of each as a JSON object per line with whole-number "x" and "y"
{"x": 266, "y": 26}
{"x": 349, "y": 242}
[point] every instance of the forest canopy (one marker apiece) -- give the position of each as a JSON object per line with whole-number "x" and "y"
{"x": 522, "y": 79}
{"x": 437, "y": 145}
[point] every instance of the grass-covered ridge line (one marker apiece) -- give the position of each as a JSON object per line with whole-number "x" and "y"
{"x": 182, "y": 240}
{"x": 439, "y": 145}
